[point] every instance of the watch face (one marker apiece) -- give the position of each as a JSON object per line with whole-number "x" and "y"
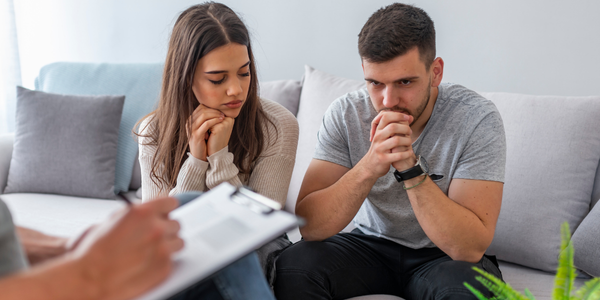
{"x": 423, "y": 163}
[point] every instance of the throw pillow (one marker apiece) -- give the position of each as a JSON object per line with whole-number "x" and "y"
{"x": 65, "y": 144}
{"x": 586, "y": 241}
{"x": 284, "y": 92}
{"x": 551, "y": 160}
{"x": 319, "y": 89}
{"x": 140, "y": 83}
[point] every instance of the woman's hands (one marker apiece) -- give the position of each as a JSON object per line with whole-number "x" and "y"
{"x": 210, "y": 131}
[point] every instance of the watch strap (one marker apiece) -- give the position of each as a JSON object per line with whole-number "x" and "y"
{"x": 408, "y": 174}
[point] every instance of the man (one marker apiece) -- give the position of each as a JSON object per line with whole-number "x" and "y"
{"x": 417, "y": 165}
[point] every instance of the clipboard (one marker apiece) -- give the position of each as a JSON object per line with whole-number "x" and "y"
{"x": 220, "y": 227}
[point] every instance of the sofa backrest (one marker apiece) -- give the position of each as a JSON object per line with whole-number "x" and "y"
{"x": 553, "y": 152}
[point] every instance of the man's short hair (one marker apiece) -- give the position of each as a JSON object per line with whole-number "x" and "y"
{"x": 394, "y": 30}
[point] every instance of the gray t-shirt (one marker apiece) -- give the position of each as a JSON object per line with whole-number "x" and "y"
{"x": 12, "y": 258}
{"x": 464, "y": 138}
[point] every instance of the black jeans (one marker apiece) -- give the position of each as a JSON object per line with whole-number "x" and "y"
{"x": 354, "y": 264}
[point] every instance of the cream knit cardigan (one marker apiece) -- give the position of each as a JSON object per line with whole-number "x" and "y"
{"x": 270, "y": 176}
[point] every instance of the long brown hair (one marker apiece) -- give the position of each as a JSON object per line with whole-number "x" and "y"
{"x": 197, "y": 31}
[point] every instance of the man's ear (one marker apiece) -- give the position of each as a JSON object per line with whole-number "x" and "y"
{"x": 437, "y": 71}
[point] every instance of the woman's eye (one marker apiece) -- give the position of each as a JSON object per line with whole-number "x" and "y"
{"x": 245, "y": 74}
{"x": 217, "y": 81}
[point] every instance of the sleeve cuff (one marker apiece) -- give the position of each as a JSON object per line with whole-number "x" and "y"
{"x": 198, "y": 163}
{"x": 221, "y": 168}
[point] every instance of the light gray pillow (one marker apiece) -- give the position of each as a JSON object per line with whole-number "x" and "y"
{"x": 586, "y": 241}
{"x": 284, "y": 92}
{"x": 319, "y": 89}
{"x": 65, "y": 144}
{"x": 553, "y": 149}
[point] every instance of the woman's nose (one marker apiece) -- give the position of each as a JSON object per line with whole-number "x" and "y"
{"x": 235, "y": 88}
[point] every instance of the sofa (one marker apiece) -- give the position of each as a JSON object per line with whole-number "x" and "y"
{"x": 552, "y": 170}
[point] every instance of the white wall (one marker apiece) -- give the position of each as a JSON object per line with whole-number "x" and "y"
{"x": 534, "y": 46}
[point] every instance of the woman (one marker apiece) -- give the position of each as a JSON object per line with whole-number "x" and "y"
{"x": 210, "y": 125}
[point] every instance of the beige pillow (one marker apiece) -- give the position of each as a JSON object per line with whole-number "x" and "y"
{"x": 319, "y": 89}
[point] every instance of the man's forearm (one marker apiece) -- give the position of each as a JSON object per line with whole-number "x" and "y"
{"x": 329, "y": 210}
{"x": 59, "y": 279}
{"x": 453, "y": 228}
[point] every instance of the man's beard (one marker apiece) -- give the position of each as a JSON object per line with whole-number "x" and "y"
{"x": 417, "y": 114}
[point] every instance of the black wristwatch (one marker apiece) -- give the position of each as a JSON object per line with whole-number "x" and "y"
{"x": 420, "y": 168}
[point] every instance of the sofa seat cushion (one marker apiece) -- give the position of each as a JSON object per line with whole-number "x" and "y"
{"x": 539, "y": 283}
{"x": 58, "y": 215}
{"x": 553, "y": 149}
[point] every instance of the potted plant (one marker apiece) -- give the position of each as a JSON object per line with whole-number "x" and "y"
{"x": 563, "y": 283}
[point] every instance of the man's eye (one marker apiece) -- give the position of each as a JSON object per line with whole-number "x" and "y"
{"x": 374, "y": 83}
{"x": 217, "y": 82}
{"x": 405, "y": 82}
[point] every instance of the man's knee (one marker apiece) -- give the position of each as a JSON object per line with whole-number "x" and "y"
{"x": 446, "y": 281}
{"x": 303, "y": 256}
{"x": 299, "y": 271}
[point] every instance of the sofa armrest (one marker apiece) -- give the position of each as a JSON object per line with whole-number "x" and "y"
{"x": 6, "y": 149}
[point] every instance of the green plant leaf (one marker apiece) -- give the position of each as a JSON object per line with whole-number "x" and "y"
{"x": 565, "y": 274}
{"x": 529, "y": 295}
{"x": 500, "y": 289}
{"x": 590, "y": 290}
{"x": 475, "y": 292}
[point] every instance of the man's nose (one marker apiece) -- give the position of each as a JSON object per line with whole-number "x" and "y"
{"x": 389, "y": 98}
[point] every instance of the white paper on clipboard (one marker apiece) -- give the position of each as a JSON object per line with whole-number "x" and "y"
{"x": 220, "y": 227}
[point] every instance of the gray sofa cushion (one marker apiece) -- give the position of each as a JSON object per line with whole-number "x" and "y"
{"x": 284, "y": 92}
{"x": 586, "y": 241}
{"x": 65, "y": 144}
{"x": 553, "y": 149}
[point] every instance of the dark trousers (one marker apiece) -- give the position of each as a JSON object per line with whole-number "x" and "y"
{"x": 355, "y": 264}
